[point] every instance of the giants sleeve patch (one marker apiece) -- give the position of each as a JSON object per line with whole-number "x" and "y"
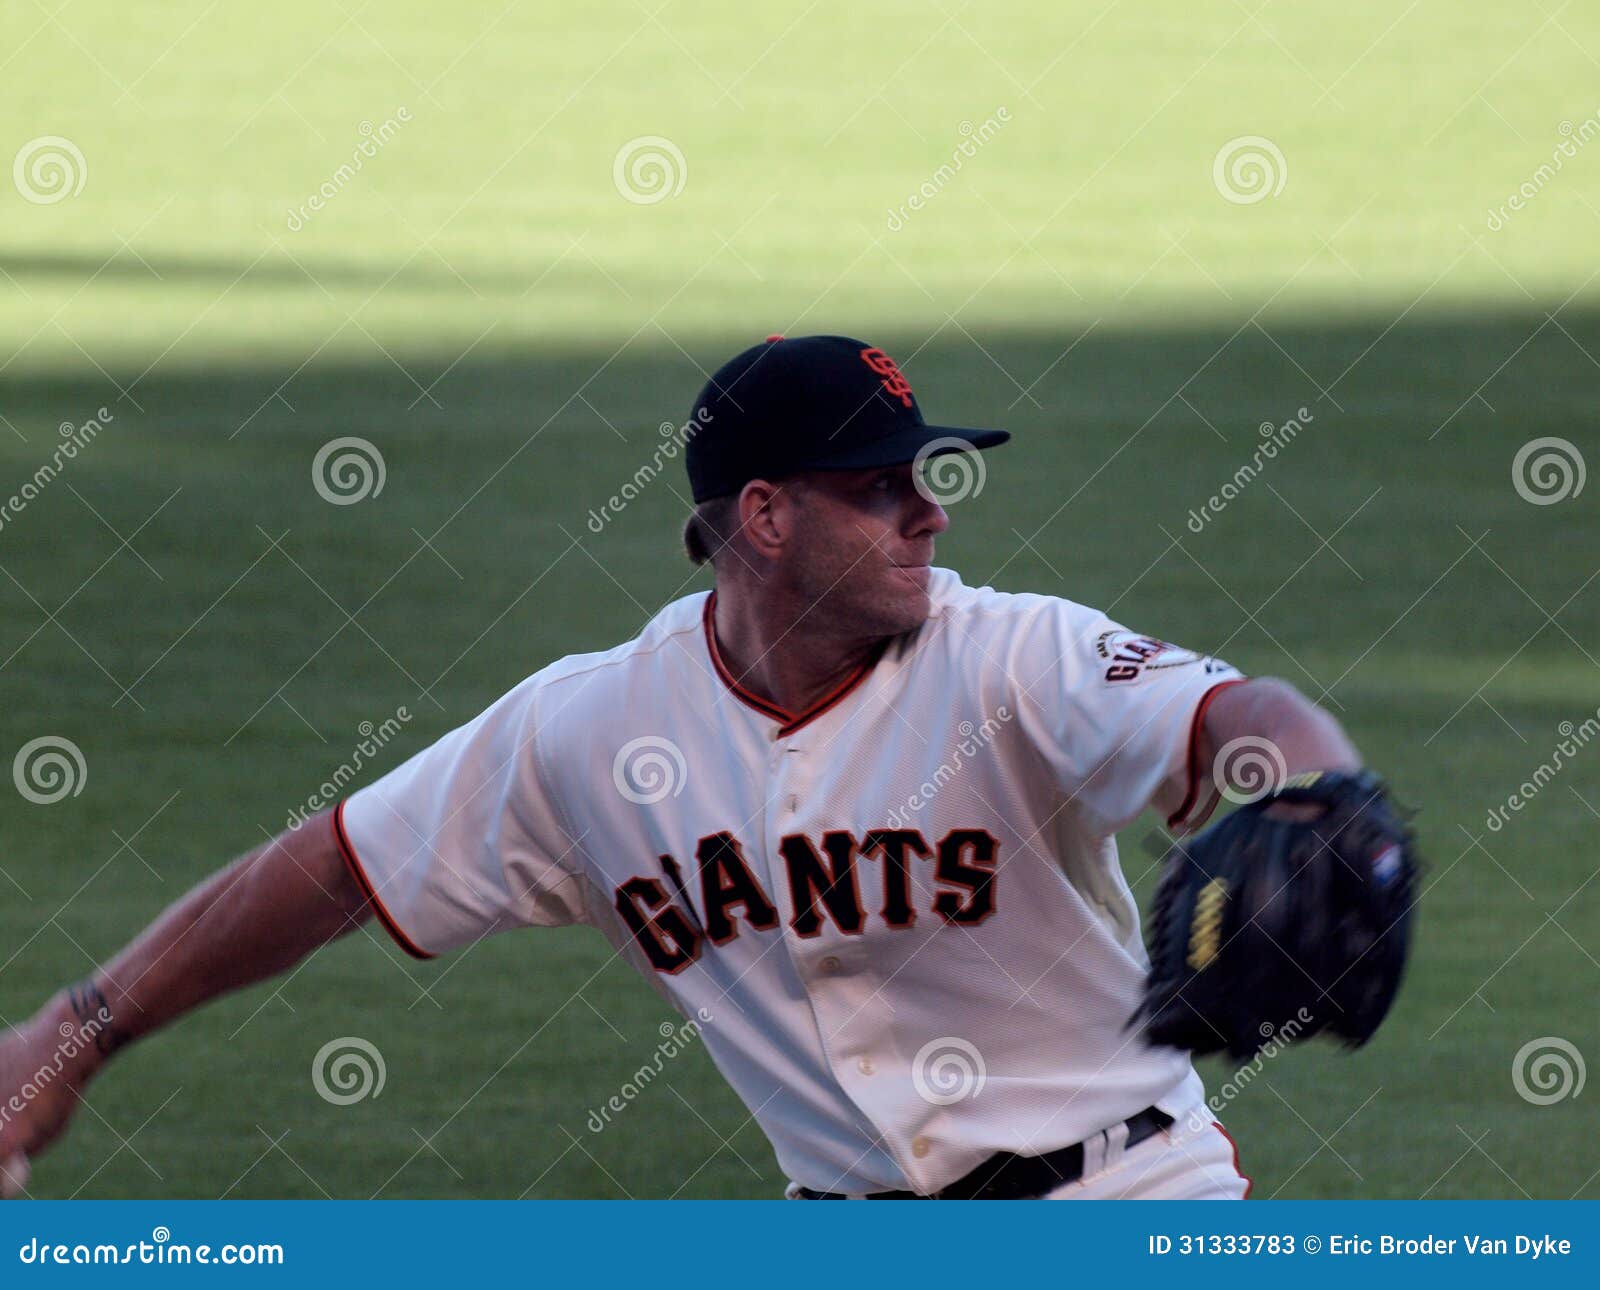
{"x": 1126, "y": 656}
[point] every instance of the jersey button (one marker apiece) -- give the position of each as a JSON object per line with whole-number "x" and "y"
{"x": 920, "y": 1147}
{"x": 865, "y": 1066}
{"x": 829, "y": 964}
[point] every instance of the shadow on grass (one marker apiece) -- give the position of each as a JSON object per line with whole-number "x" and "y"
{"x": 183, "y": 603}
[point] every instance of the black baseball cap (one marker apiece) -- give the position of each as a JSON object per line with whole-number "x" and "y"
{"x": 809, "y": 403}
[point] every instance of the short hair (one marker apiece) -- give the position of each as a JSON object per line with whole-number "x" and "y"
{"x": 710, "y": 527}
{"x": 713, "y": 524}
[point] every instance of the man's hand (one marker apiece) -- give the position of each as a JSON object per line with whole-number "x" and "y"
{"x": 250, "y": 921}
{"x": 44, "y": 1066}
{"x": 13, "y": 1177}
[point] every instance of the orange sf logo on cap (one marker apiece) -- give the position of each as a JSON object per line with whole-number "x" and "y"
{"x": 893, "y": 380}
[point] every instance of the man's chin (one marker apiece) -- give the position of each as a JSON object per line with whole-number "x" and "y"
{"x": 919, "y": 575}
{"x": 909, "y": 604}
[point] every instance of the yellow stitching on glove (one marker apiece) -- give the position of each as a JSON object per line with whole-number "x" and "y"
{"x": 1303, "y": 780}
{"x": 1206, "y": 933}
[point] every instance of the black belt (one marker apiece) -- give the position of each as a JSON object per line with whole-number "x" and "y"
{"x": 1006, "y": 1176}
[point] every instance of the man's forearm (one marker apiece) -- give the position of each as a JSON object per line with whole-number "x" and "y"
{"x": 256, "y": 918}
{"x": 1307, "y": 737}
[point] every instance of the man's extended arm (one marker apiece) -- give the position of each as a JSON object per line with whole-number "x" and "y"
{"x": 1265, "y": 710}
{"x": 1307, "y": 737}
{"x": 250, "y": 921}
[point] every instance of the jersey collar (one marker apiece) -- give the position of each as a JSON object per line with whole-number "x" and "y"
{"x": 788, "y": 722}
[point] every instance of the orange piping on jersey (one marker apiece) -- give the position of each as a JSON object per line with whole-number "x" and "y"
{"x": 1196, "y": 726}
{"x": 1249, "y": 1182}
{"x": 788, "y": 722}
{"x": 359, "y": 874}
{"x": 743, "y": 695}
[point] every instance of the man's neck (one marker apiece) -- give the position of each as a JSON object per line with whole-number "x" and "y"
{"x": 777, "y": 649}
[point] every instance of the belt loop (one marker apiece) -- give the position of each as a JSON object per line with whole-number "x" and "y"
{"x": 1116, "y": 1143}
{"x": 1094, "y": 1153}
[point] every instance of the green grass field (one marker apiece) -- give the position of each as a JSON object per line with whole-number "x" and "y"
{"x": 482, "y": 304}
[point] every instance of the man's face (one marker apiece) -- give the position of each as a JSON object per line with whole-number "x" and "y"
{"x": 862, "y": 549}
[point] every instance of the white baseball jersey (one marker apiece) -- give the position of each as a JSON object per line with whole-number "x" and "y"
{"x": 902, "y": 909}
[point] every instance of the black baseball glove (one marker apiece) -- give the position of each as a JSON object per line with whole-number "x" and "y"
{"x": 1267, "y": 928}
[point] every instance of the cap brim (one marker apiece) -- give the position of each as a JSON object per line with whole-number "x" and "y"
{"x": 905, "y": 446}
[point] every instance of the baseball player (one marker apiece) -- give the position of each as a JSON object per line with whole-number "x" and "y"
{"x": 857, "y": 813}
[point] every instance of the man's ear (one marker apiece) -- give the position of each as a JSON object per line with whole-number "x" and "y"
{"x": 767, "y": 516}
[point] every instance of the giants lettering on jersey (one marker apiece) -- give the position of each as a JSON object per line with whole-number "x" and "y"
{"x": 1129, "y": 655}
{"x": 829, "y": 880}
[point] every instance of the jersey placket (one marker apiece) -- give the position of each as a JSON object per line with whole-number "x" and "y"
{"x": 852, "y": 1016}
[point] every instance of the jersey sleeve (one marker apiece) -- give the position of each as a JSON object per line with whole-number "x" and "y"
{"x": 462, "y": 840}
{"x": 1117, "y": 715}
